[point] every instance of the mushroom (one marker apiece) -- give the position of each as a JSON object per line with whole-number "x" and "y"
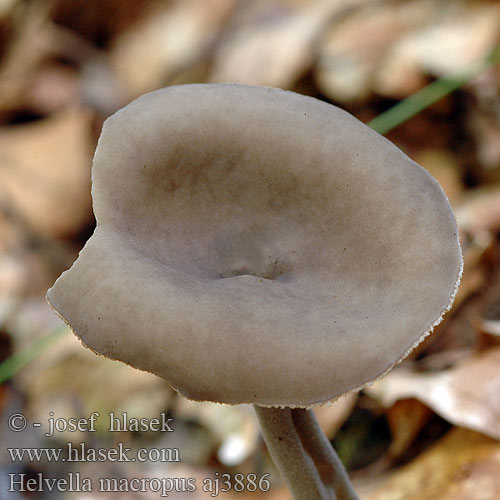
{"x": 258, "y": 246}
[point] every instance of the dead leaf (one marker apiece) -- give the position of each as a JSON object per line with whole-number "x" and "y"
{"x": 443, "y": 166}
{"x": 352, "y": 51}
{"x": 170, "y": 38}
{"x": 454, "y": 36}
{"x": 480, "y": 210}
{"x": 405, "y": 418}
{"x": 331, "y": 416}
{"x": 272, "y": 43}
{"x": 484, "y": 126}
{"x": 99, "y": 20}
{"x": 52, "y": 88}
{"x": 467, "y": 395}
{"x": 30, "y": 43}
{"x": 487, "y": 332}
{"x": 390, "y": 48}
{"x": 45, "y": 172}
{"x": 489, "y": 326}
{"x": 463, "y": 465}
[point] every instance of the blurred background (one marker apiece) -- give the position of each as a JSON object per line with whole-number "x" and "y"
{"x": 423, "y": 72}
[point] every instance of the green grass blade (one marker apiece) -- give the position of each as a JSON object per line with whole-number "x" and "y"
{"x": 425, "y": 97}
{"x": 19, "y": 360}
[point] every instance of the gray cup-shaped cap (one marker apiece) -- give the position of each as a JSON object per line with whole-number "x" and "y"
{"x": 257, "y": 246}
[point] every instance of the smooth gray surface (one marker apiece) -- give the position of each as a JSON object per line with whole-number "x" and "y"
{"x": 257, "y": 246}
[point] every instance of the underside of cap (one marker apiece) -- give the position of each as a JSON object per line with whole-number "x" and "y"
{"x": 257, "y": 246}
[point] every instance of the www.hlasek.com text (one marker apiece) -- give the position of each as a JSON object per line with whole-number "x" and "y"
{"x": 83, "y": 453}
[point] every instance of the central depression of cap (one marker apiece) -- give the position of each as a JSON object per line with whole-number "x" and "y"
{"x": 257, "y": 246}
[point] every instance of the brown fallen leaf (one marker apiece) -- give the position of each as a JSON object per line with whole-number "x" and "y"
{"x": 444, "y": 167}
{"x": 405, "y": 418}
{"x": 167, "y": 40}
{"x": 478, "y": 217}
{"x": 45, "y": 172}
{"x": 489, "y": 326}
{"x": 273, "y": 42}
{"x": 484, "y": 124}
{"x": 29, "y": 44}
{"x": 52, "y": 88}
{"x": 487, "y": 332}
{"x": 331, "y": 416}
{"x": 480, "y": 210}
{"x": 351, "y": 51}
{"x": 461, "y": 35}
{"x": 454, "y": 36}
{"x": 467, "y": 395}
{"x": 390, "y": 48}
{"x": 99, "y": 20}
{"x": 464, "y": 465}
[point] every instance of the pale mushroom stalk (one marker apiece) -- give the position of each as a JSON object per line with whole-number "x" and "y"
{"x": 303, "y": 455}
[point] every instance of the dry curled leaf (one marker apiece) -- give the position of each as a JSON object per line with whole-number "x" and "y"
{"x": 166, "y": 41}
{"x": 489, "y": 326}
{"x": 351, "y": 51}
{"x": 331, "y": 416}
{"x": 45, "y": 172}
{"x": 273, "y": 43}
{"x": 455, "y": 35}
{"x": 405, "y": 418}
{"x": 464, "y": 465}
{"x": 444, "y": 167}
{"x": 480, "y": 210}
{"x": 467, "y": 395}
{"x": 390, "y": 48}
